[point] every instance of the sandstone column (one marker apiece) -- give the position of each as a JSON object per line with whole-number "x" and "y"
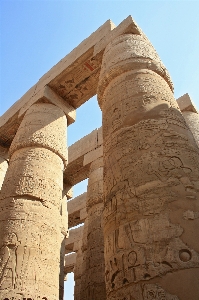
{"x": 30, "y": 221}
{"x": 190, "y": 114}
{"x": 93, "y": 278}
{"x": 3, "y": 169}
{"x": 64, "y": 235}
{"x": 151, "y": 178}
{"x": 192, "y": 120}
{"x": 79, "y": 268}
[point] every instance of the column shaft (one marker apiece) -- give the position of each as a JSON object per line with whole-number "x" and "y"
{"x": 93, "y": 278}
{"x": 151, "y": 179}
{"x": 192, "y": 120}
{"x": 3, "y": 169}
{"x": 30, "y": 222}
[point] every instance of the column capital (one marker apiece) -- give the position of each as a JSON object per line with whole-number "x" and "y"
{"x": 44, "y": 125}
{"x": 129, "y": 52}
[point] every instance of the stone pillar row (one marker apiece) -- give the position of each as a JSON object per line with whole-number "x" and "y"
{"x": 31, "y": 197}
{"x": 151, "y": 179}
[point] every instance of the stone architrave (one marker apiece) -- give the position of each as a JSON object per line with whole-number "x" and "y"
{"x": 93, "y": 277}
{"x": 31, "y": 196}
{"x": 151, "y": 178}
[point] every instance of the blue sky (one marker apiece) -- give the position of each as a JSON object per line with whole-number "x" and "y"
{"x": 36, "y": 34}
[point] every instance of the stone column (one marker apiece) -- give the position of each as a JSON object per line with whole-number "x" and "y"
{"x": 30, "y": 221}
{"x": 192, "y": 120}
{"x": 93, "y": 278}
{"x": 151, "y": 178}
{"x": 64, "y": 235}
{"x": 190, "y": 113}
{"x": 3, "y": 169}
{"x": 79, "y": 267}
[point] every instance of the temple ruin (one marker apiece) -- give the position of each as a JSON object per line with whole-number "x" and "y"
{"x": 139, "y": 217}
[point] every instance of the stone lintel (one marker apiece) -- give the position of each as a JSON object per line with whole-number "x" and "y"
{"x": 83, "y": 214}
{"x": 4, "y": 153}
{"x": 46, "y": 94}
{"x": 80, "y": 156}
{"x": 75, "y": 235}
{"x": 82, "y": 146}
{"x": 68, "y": 191}
{"x": 73, "y": 80}
{"x": 128, "y": 25}
{"x": 69, "y": 263}
{"x": 186, "y": 104}
{"x": 93, "y": 155}
{"x": 75, "y": 207}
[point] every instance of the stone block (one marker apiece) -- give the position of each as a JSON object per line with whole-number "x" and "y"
{"x": 93, "y": 155}
{"x": 77, "y": 204}
{"x": 68, "y": 191}
{"x": 47, "y": 94}
{"x": 69, "y": 263}
{"x": 83, "y": 214}
{"x": 83, "y": 146}
{"x": 126, "y": 26}
{"x": 186, "y": 104}
{"x": 75, "y": 208}
{"x": 99, "y": 136}
{"x": 75, "y": 235}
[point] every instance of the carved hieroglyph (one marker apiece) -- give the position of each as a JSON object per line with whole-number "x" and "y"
{"x": 192, "y": 120}
{"x": 31, "y": 195}
{"x": 151, "y": 179}
{"x": 92, "y": 279}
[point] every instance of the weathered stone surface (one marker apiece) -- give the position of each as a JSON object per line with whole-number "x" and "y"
{"x": 190, "y": 114}
{"x": 81, "y": 154}
{"x": 192, "y": 120}
{"x": 3, "y": 169}
{"x": 33, "y": 133}
{"x": 149, "y": 199}
{"x": 31, "y": 195}
{"x": 73, "y": 80}
{"x": 68, "y": 191}
{"x": 186, "y": 104}
{"x": 93, "y": 155}
{"x": 75, "y": 206}
{"x": 93, "y": 277}
{"x": 75, "y": 235}
{"x": 79, "y": 268}
{"x": 70, "y": 261}
{"x": 151, "y": 178}
{"x": 83, "y": 146}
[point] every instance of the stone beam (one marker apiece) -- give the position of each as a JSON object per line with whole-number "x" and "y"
{"x": 70, "y": 261}
{"x": 10, "y": 121}
{"x": 80, "y": 156}
{"x": 77, "y": 210}
{"x": 74, "y": 78}
{"x": 75, "y": 235}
